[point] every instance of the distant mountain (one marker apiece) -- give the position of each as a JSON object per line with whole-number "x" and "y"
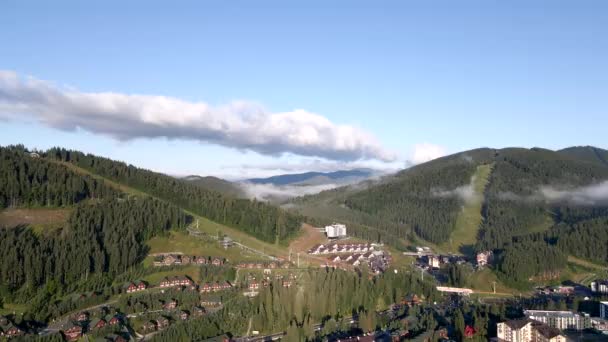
{"x": 317, "y": 178}
{"x": 587, "y": 153}
{"x": 484, "y": 199}
{"x": 216, "y": 184}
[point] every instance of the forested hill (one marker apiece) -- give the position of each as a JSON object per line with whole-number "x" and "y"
{"x": 587, "y": 153}
{"x": 543, "y": 196}
{"x": 28, "y": 180}
{"x": 217, "y": 184}
{"x": 259, "y": 219}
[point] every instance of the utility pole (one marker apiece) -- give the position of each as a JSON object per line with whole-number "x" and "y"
{"x": 196, "y": 224}
{"x": 422, "y": 274}
{"x": 494, "y": 286}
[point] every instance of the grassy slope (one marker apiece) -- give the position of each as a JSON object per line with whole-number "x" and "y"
{"x": 40, "y": 219}
{"x": 469, "y": 218}
{"x": 205, "y": 224}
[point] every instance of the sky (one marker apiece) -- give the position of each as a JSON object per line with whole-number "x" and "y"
{"x": 254, "y": 88}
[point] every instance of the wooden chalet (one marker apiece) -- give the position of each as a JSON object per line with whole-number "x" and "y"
{"x": 162, "y": 322}
{"x": 170, "y": 305}
{"x": 82, "y": 316}
{"x": 148, "y": 326}
{"x": 198, "y": 311}
{"x": 98, "y": 323}
{"x": 114, "y": 320}
{"x": 184, "y": 315}
{"x": 73, "y": 333}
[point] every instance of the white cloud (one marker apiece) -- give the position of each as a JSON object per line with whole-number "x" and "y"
{"x": 270, "y": 192}
{"x": 465, "y": 193}
{"x": 585, "y": 195}
{"x": 592, "y": 194}
{"x": 425, "y": 152}
{"x": 239, "y": 125}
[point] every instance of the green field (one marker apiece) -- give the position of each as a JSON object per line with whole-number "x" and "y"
{"x": 10, "y": 308}
{"x": 469, "y": 219}
{"x": 180, "y": 241}
{"x": 484, "y": 280}
{"x": 39, "y": 219}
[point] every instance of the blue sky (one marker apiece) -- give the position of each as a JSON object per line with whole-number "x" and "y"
{"x": 420, "y": 78}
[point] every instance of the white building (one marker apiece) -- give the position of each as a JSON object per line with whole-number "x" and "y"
{"x": 599, "y": 286}
{"x": 335, "y": 231}
{"x": 514, "y": 331}
{"x": 434, "y": 261}
{"x": 563, "y": 320}
{"x": 525, "y": 330}
{"x": 604, "y": 310}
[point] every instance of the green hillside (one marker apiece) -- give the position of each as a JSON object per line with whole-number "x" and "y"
{"x": 470, "y": 219}
{"x": 486, "y": 199}
{"x": 217, "y": 184}
{"x": 264, "y": 221}
{"x": 586, "y": 153}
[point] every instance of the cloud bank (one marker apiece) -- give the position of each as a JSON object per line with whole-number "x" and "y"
{"x": 465, "y": 193}
{"x": 588, "y": 195}
{"x": 239, "y": 125}
{"x": 425, "y": 152}
{"x": 270, "y": 192}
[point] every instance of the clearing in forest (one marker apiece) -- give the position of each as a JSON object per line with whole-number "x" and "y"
{"x": 37, "y": 218}
{"x": 309, "y": 237}
{"x": 469, "y": 219}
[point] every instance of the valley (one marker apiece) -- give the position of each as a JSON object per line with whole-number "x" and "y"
{"x": 467, "y": 199}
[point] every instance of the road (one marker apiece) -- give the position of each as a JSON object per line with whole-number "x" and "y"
{"x": 63, "y": 322}
{"x": 197, "y": 233}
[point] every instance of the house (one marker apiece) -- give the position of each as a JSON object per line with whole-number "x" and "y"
{"x": 170, "y": 305}
{"x": 287, "y": 283}
{"x": 411, "y": 300}
{"x": 206, "y": 288}
{"x": 217, "y": 262}
{"x": 131, "y": 288}
{"x": 114, "y": 320}
{"x": 169, "y": 260}
{"x": 198, "y": 311}
{"x": 82, "y": 316}
{"x": 8, "y": 329}
{"x": 254, "y": 285}
{"x": 528, "y": 330}
{"x": 434, "y": 261}
{"x": 514, "y": 331}
{"x": 604, "y": 310}
{"x": 200, "y": 260}
{"x": 166, "y": 283}
{"x": 98, "y": 323}
{"x": 484, "y": 258}
{"x": 186, "y": 259}
{"x": 141, "y": 286}
{"x": 544, "y": 333}
{"x": 184, "y": 315}
{"x": 162, "y": 322}
{"x": 208, "y": 302}
{"x": 563, "y": 320}
{"x": 73, "y": 333}
{"x": 148, "y": 326}
{"x": 116, "y": 338}
{"x": 227, "y": 242}
{"x": 469, "y": 331}
{"x": 599, "y": 286}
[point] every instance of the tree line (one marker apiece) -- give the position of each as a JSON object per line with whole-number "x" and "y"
{"x": 27, "y": 180}
{"x": 102, "y": 238}
{"x": 259, "y": 219}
